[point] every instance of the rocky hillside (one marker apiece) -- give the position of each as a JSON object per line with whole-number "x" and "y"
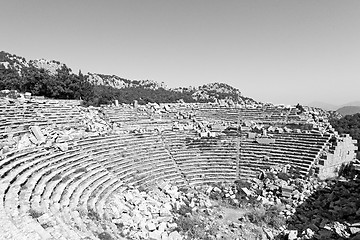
{"x": 107, "y": 88}
{"x": 118, "y": 82}
{"x": 209, "y": 92}
{"x": 11, "y": 61}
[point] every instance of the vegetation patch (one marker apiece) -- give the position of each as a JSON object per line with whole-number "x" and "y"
{"x": 94, "y": 215}
{"x": 35, "y": 214}
{"x": 105, "y": 236}
{"x": 79, "y": 170}
{"x": 266, "y": 216}
{"x": 56, "y": 177}
{"x": 46, "y": 225}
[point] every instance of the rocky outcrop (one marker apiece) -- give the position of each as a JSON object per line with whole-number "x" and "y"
{"x": 118, "y": 82}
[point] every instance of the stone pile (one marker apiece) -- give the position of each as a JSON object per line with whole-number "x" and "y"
{"x": 91, "y": 123}
{"x": 93, "y": 120}
{"x": 278, "y": 185}
{"x": 165, "y": 212}
{"x": 145, "y": 215}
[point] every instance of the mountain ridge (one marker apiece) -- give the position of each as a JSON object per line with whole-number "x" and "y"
{"x": 342, "y": 109}
{"x": 212, "y": 92}
{"x": 348, "y": 110}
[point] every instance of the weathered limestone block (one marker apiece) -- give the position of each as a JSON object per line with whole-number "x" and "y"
{"x": 38, "y": 134}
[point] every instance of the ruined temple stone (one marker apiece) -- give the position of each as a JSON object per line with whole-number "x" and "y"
{"x": 142, "y": 207}
{"x": 155, "y": 235}
{"x": 38, "y": 134}
{"x": 162, "y": 226}
{"x": 63, "y": 146}
{"x": 246, "y": 191}
{"x": 269, "y": 233}
{"x": 216, "y": 189}
{"x": 150, "y": 226}
{"x": 175, "y": 236}
{"x": 164, "y": 236}
{"x": 340, "y": 229}
{"x": 354, "y": 230}
{"x": 126, "y": 219}
{"x": 208, "y": 191}
{"x": 292, "y": 234}
{"x": 164, "y": 212}
{"x": 172, "y": 225}
{"x": 309, "y": 233}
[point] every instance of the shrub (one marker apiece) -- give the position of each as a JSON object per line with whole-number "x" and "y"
{"x": 192, "y": 226}
{"x": 35, "y": 214}
{"x": 56, "y": 177}
{"x": 183, "y": 210}
{"x": 93, "y": 215}
{"x": 46, "y": 225}
{"x": 120, "y": 225}
{"x": 79, "y": 170}
{"x": 104, "y": 236}
{"x": 66, "y": 178}
{"x": 268, "y": 216}
{"x": 77, "y": 178}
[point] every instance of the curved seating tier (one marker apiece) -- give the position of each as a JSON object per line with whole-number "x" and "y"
{"x": 202, "y": 160}
{"x": 48, "y": 193}
{"x": 17, "y": 118}
{"x": 125, "y": 114}
{"x": 269, "y": 114}
{"x": 64, "y": 187}
{"x": 300, "y": 150}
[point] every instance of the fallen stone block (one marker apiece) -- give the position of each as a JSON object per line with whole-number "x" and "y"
{"x": 155, "y": 235}
{"x": 286, "y": 191}
{"x": 208, "y": 191}
{"x": 63, "y": 146}
{"x": 269, "y": 233}
{"x": 246, "y": 191}
{"x": 164, "y": 236}
{"x": 354, "y": 230}
{"x": 24, "y": 142}
{"x": 150, "y": 226}
{"x": 162, "y": 226}
{"x": 38, "y": 134}
{"x": 292, "y": 234}
{"x": 175, "y": 236}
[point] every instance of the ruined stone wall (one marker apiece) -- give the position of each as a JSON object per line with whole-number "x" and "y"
{"x": 342, "y": 151}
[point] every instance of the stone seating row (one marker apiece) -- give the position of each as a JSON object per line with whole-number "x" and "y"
{"x": 37, "y": 174}
{"x": 201, "y": 157}
{"x": 299, "y": 154}
{"x": 68, "y": 185}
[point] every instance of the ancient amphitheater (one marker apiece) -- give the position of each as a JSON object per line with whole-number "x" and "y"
{"x": 67, "y": 170}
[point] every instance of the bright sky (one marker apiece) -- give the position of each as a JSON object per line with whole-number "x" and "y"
{"x": 280, "y": 51}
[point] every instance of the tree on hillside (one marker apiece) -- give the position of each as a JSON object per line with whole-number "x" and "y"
{"x": 10, "y": 79}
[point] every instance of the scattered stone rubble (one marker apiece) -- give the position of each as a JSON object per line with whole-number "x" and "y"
{"x": 145, "y": 215}
{"x": 312, "y": 209}
{"x": 91, "y": 122}
{"x": 168, "y": 213}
